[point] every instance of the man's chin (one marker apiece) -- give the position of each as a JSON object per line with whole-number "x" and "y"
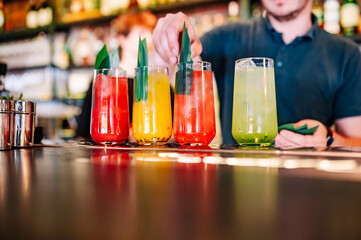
{"x": 284, "y": 17}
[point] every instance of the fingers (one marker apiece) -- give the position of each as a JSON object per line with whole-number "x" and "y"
{"x": 196, "y": 48}
{"x": 282, "y": 141}
{"x": 195, "y": 42}
{"x": 157, "y": 40}
{"x": 173, "y": 42}
{"x": 165, "y": 48}
{"x": 196, "y": 45}
{"x": 302, "y": 140}
{"x": 166, "y": 37}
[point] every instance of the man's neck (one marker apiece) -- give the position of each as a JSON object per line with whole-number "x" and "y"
{"x": 293, "y": 28}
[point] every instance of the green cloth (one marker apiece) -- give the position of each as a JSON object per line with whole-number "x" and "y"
{"x": 304, "y": 130}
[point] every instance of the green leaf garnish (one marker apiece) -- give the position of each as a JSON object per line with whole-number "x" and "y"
{"x": 186, "y": 50}
{"x": 142, "y": 53}
{"x": 102, "y": 60}
{"x": 184, "y": 76}
{"x": 141, "y": 75}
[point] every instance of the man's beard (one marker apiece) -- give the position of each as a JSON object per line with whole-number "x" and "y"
{"x": 284, "y": 18}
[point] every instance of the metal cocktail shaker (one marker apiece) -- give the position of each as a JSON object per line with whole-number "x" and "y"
{"x": 24, "y": 123}
{"x": 6, "y": 124}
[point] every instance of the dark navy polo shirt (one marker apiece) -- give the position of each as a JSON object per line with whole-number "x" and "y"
{"x": 318, "y": 75}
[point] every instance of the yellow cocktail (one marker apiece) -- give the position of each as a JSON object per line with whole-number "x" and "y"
{"x": 152, "y": 112}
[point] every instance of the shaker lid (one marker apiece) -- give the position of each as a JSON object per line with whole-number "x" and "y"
{"x": 23, "y": 106}
{"x": 6, "y": 105}
{"x": 3, "y": 68}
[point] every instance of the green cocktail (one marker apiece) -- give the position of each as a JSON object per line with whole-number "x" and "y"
{"x": 254, "y": 102}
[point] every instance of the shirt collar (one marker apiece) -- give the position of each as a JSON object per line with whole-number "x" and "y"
{"x": 310, "y": 34}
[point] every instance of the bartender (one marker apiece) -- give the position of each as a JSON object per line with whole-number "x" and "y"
{"x": 318, "y": 75}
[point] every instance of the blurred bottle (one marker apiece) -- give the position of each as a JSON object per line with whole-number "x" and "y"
{"x": 317, "y": 10}
{"x": 81, "y": 46}
{"x": 2, "y": 16}
{"x": 256, "y": 9}
{"x": 60, "y": 57}
{"x": 76, "y": 6}
{"x": 45, "y": 13}
{"x": 350, "y": 16}
{"x": 143, "y": 3}
{"x": 32, "y": 15}
{"x": 153, "y": 3}
{"x": 108, "y": 7}
{"x": 233, "y": 11}
{"x": 15, "y": 14}
{"x": 3, "y": 69}
{"x": 90, "y": 5}
{"x": 332, "y": 16}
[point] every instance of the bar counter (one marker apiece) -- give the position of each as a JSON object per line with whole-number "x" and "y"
{"x": 89, "y": 192}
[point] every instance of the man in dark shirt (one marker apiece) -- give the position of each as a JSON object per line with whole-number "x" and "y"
{"x": 317, "y": 75}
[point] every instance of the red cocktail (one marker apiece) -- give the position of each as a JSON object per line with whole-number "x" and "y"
{"x": 110, "y": 113}
{"x": 194, "y": 117}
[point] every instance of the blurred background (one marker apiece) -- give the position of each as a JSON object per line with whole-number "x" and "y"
{"x": 50, "y": 46}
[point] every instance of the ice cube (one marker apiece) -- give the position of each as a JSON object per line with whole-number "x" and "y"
{"x": 114, "y": 58}
{"x": 245, "y": 63}
{"x": 117, "y": 72}
{"x": 251, "y": 63}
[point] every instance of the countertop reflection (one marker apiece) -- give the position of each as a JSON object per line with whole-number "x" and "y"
{"x": 81, "y": 192}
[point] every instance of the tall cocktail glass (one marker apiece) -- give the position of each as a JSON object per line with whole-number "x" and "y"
{"x": 152, "y": 112}
{"x": 110, "y": 110}
{"x": 194, "y": 119}
{"x": 254, "y": 102}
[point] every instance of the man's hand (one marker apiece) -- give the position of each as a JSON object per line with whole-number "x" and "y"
{"x": 290, "y": 139}
{"x": 166, "y": 37}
